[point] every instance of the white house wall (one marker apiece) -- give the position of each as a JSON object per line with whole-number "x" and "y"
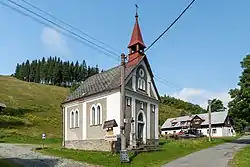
{"x": 113, "y": 109}
{"x": 220, "y": 131}
{"x": 170, "y": 131}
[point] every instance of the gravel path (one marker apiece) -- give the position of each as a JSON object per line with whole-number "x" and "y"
{"x": 218, "y": 156}
{"x": 22, "y": 154}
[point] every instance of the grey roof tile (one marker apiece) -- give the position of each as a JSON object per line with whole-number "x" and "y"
{"x": 103, "y": 81}
{"x": 216, "y": 118}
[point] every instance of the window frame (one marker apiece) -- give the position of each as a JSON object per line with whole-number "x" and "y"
{"x": 71, "y": 122}
{"x": 141, "y": 105}
{"x": 128, "y": 101}
{"x": 92, "y": 115}
{"x": 153, "y": 108}
{"x": 96, "y": 115}
{"x": 76, "y": 120}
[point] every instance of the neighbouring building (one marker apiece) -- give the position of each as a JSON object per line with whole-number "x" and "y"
{"x": 2, "y": 106}
{"x": 220, "y": 121}
{"x": 98, "y": 98}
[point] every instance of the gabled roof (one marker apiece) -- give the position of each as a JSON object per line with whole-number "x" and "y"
{"x": 216, "y": 118}
{"x": 105, "y": 81}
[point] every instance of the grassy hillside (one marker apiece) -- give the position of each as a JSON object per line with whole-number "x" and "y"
{"x": 33, "y": 108}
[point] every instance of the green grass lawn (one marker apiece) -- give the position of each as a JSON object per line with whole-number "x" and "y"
{"x": 242, "y": 158}
{"x": 32, "y": 108}
{"x": 169, "y": 150}
{"x": 6, "y": 163}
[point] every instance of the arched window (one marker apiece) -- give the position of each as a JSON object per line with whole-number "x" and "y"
{"x": 141, "y": 80}
{"x": 76, "y": 119}
{"x": 143, "y": 87}
{"x": 98, "y": 115}
{"x": 93, "y": 115}
{"x": 140, "y": 117}
{"x": 72, "y": 119}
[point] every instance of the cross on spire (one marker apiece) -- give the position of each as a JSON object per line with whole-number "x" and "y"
{"x": 136, "y": 10}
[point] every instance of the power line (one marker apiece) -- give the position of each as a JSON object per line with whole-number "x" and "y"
{"x": 73, "y": 37}
{"x": 170, "y": 25}
{"x": 110, "y": 54}
{"x": 162, "y": 80}
{"x": 71, "y": 32}
{"x": 74, "y": 28}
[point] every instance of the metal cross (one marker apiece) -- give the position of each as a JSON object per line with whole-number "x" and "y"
{"x": 136, "y": 9}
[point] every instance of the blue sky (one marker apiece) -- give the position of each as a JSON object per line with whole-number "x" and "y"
{"x": 201, "y": 53}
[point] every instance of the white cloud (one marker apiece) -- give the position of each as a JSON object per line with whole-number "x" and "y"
{"x": 201, "y": 96}
{"x": 54, "y": 41}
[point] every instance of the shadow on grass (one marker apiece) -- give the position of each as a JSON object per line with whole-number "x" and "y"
{"x": 31, "y": 162}
{"x": 16, "y": 111}
{"x": 161, "y": 143}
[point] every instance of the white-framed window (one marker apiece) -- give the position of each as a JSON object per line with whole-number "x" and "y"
{"x": 72, "y": 117}
{"x": 96, "y": 115}
{"x": 214, "y": 131}
{"x": 128, "y": 101}
{"x": 141, "y": 84}
{"x": 141, "y": 105}
{"x": 141, "y": 81}
{"x": 76, "y": 119}
{"x": 153, "y": 108}
{"x": 92, "y": 115}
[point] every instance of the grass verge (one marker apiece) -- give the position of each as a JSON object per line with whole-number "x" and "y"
{"x": 169, "y": 150}
{"x": 12, "y": 136}
{"x": 241, "y": 158}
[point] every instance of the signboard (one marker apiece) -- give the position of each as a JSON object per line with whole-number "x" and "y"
{"x": 110, "y": 138}
{"x": 124, "y": 156}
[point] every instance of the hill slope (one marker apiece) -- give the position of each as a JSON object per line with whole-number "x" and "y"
{"x": 35, "y": 108}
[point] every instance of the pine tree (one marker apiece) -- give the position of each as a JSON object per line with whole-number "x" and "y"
{"x": 33, "y": 70}
{"x": 27, "y": 71}
{"x": 38, "y": 68}
{"x": 17, "y": 72}
{"x": 43, "y": 71}
{"x": 54, "y": 71}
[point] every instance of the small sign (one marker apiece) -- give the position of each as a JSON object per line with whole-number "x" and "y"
{"x": 43, "y": 136}
{"x": 110, "y": 138}
{"x": 124, "y": 156}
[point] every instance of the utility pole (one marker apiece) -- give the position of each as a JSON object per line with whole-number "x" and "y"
{"x": 209, "y": 119}
{"x": 123, "y": 152}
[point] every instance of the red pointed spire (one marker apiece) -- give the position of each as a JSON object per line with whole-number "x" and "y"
{"x": 136, "y": 35}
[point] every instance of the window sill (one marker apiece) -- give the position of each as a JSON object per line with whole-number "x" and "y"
{"x": 96, "y": 125}
{"x": 74, "y": 128}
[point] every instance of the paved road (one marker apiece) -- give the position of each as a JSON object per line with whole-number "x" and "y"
{"x": 218, "y": 156}
{"x": 22, "y": 154}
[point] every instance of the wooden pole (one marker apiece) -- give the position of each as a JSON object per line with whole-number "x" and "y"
{"x": 123, "y": 137}
{"x": 209, "y": 119}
